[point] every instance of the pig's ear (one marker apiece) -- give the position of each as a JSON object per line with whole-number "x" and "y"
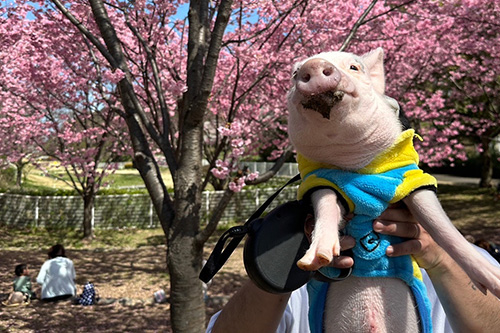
{"x": 374, "y": 61}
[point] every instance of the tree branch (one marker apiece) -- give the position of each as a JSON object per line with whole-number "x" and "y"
{"x": 356, "y": 26}
{"x": 162, "y": 140}
{"x": 211, "y": 226}
{"x": 79, "y": 25}
{"x": 274, "y": 170}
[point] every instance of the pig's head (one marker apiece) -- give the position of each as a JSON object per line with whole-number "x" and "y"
{"x": 338, "y": 113}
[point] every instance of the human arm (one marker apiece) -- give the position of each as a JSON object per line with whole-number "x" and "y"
{"x": 467, "y": 309}
{"x": 251, "y": 310}
{"x": 72, "y": 269}
{"x": 40, "y": 279}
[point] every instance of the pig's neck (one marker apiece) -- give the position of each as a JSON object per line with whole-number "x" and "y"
{"x": 356, "y": 142}
{"x": 356, "y": 154}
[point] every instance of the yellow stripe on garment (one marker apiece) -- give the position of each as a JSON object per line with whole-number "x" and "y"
{"x": 413, "y": 180}
{"x": 401, "y": 154}
{"x": 313, "y": 182}
{"x": 306, "y": 166}
{"x": 417, "y": 273}
{"x": 397, "y": 156}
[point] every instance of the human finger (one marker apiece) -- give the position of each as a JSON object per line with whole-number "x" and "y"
{"x": 419, "y": 243}
{"x": 400, "y": 229}
{"x": 412, "y": 246}
{"x": 397, "y": 214}
{"x": 347, "y": 242}
{"x": 342, "y": 262}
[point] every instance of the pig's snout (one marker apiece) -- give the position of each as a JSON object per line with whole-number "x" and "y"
{"x": 317, "y": 76}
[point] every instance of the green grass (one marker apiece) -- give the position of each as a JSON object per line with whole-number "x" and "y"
{"x": 56, "y": 182}
{"x": 125, "y": 179}
{"x": 37, "y": 183}
{"x": 35, "y": 238}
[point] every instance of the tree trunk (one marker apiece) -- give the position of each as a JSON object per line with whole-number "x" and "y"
{"x": 187, "y": 310}
{"x": 487, "y": 163}
{"x": 19, "y": 175}
{"x": 182, "y": 223}
{"x": 19, "y": 172}
{"x": 88, "y": 206}
{"x": 184, "y": 253}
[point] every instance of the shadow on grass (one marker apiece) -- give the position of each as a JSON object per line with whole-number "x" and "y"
{"x": 117, "y": 273}
{"x": 64, "y": 317}
{"x": 474, "y": 211}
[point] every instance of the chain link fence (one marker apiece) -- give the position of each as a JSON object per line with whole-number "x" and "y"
{"x": 287, "y": 170}
{"x": 118, "y": 211}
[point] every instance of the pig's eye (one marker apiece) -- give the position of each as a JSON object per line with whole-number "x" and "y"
{"x": 294, "y": 74}
{"x": 354, "y": 68}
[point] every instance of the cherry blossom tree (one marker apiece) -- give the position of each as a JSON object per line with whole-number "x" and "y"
{"x": 454, "y": 95}
{"x": 212, "y": 86}
{"x": 17, "y": 146}
{"x": 56, "y": 105}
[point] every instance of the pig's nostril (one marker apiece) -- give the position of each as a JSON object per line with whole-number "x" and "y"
{"x": 306, "y": 77}
{"x": 327, "y": 71}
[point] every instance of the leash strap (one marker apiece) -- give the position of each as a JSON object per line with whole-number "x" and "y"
{"x": 234, "y": 235}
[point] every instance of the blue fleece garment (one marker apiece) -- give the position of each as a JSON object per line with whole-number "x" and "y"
{"x": 371, "y": 195}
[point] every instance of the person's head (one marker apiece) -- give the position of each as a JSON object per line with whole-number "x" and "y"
{"x": 21, "y": 269}
{"x": 484, "y": 244}
{"x": 56, "y": 251}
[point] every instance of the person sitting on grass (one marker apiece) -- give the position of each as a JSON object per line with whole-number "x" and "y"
{"x": 22, "y": 287}
{"x": 22, "y": 281}
{"x": 57, "y": 276}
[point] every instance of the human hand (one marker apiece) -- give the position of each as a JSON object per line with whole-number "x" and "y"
{"x": 398, "y": 221}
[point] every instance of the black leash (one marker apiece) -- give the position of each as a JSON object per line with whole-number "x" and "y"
{"x": 221, "y": 252}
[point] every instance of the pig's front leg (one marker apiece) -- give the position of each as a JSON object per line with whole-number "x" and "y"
{"x": 426, "y": 208}
{"x": 325, "y": 236}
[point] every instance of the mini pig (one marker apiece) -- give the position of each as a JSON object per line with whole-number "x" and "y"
{"x": 354, "y": 156}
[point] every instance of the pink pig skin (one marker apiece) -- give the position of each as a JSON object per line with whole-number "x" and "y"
{"x": 355, "y": 123}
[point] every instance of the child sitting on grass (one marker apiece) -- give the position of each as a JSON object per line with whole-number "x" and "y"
{"x": 22, "y": 287}
{"x": 22, "y": 281}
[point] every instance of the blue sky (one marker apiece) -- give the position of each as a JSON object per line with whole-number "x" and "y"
{"x": 181, "y": 12}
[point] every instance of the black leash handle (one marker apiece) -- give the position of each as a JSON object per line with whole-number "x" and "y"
{"x": 221, "y": 252}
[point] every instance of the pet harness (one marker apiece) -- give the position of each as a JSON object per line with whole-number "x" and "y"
{"x": 389, "y": 178}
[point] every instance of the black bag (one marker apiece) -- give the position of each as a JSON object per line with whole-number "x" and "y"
{"x": 89, "y": 295}
{"x": 274, "y": 245}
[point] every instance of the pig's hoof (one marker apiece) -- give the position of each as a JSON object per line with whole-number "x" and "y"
{"x": 313, "y": 264}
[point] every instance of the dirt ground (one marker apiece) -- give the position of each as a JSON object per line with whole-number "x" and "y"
{"x": 125, "y": 280}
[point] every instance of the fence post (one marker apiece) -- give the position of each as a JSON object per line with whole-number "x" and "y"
{"x": 151, "y": 213}
{"x": 36, "y": 211}
{"x": 92, "y": 219}
{"x": 23, "y": 210}
{"x": 207, "y": 205}
{"x": 257, "y": 201}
